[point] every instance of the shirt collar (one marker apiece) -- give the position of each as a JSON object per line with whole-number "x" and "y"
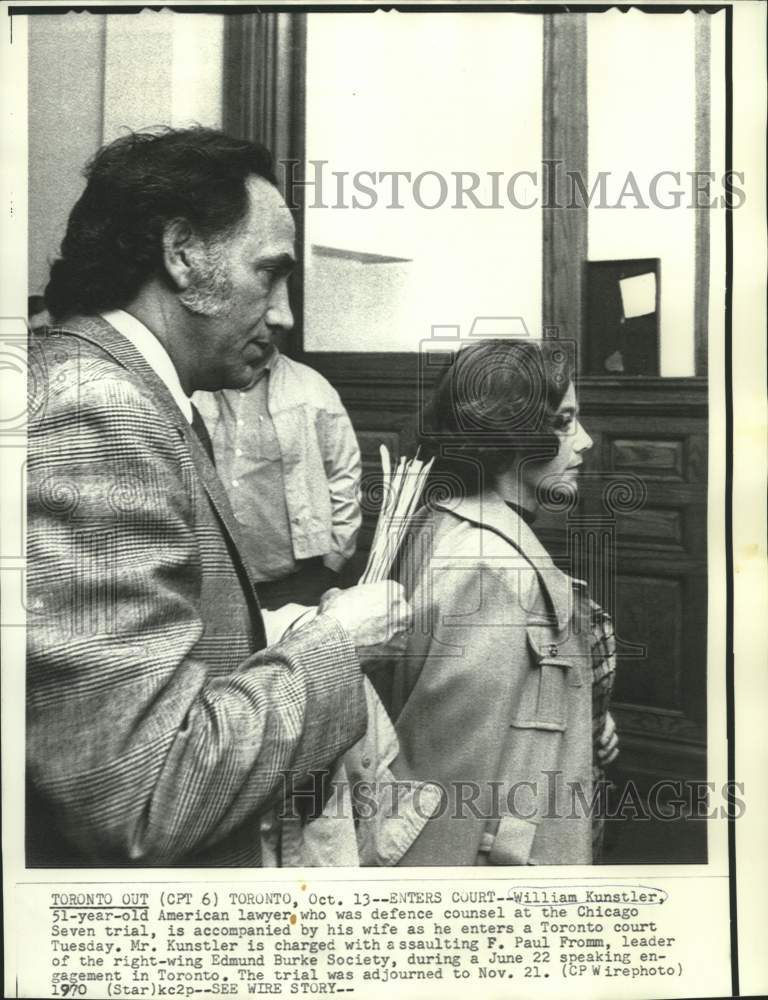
{"x": 153, "y": 352}
{"x": 266, "y": 366}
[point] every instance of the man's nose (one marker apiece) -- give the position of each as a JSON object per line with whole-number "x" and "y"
{"x": 279, "y": 315}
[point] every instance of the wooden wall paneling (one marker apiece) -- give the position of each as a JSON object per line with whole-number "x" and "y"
{"x": 656, "y": 429}
{"x": 264, "y": 82}
{"x": 695, "y": 658}
{"x": 659, "y": 459}
{"x": 564, "y": 148}
{"x": 264, "y": 100}
{"x": 653, "y": 681}
{"x": 655, "y": 528}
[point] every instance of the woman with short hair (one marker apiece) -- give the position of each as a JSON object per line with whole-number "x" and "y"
{"x": 493, "y": 693}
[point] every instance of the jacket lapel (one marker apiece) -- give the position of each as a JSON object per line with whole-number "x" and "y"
{"x": 98, "y": 332}
{"x": 489, "y": 511}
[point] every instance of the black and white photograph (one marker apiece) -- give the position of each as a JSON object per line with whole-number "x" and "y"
{"x": 376, "y": 486}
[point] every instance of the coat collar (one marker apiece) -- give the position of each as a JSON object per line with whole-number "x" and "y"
{"x": 488, "y": 510}
{"x": 97, "y": 331}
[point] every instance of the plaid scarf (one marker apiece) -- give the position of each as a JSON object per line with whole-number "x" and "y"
{"x": 603, "y": 649}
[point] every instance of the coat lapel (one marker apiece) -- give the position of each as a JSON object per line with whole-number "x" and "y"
{"x": 98, "y": 332}
{"x": 489, "y": 511}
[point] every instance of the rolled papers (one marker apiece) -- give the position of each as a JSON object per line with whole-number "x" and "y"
{"x": 400, "y": 497}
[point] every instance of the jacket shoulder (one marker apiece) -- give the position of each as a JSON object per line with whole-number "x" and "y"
{"x": 59, "y": 358}
{"x": 458, "y": 549}
{"x": 68, "y": 373}
{"x": 456, "y": 534}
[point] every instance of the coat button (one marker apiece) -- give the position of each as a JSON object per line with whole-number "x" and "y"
{"x": 366, "y": 761}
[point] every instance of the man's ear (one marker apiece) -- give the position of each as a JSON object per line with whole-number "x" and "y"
{"x": 181, "y": 247}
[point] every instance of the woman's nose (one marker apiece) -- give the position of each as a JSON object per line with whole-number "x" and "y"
{"x": 583, "y": 441}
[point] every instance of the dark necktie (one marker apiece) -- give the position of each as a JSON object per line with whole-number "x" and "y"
{"x": 198, "y": 426}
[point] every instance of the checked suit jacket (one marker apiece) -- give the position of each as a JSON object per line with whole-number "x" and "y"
{"x": 159, "y": 728}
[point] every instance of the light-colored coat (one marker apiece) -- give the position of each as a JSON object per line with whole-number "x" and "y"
{"x": 492, "y": 696}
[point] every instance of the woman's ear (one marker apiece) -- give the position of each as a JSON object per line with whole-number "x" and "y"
{"x": 180, "y": 248}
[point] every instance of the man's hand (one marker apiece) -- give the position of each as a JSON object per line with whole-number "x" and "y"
{"x": 372, "y": 613}
{"x": 608, "y": 744}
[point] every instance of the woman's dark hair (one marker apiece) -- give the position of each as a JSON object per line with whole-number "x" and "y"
{"x": 135, "y": 186}
{"x": 497, "y": 400}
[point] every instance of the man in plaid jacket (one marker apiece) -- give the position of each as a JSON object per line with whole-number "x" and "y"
{"x": 160, "y": 730}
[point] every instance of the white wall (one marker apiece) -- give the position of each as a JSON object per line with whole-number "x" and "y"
{"x": 410, "y": 92}
{"x": 93, "y": 76}
{"x": 65, "y": 87}
{"x": 162, "y": 68}
{"x": 717, "y": 218}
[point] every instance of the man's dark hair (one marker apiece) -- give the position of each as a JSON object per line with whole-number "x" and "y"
{"x": 498, "y": 400}
{"x": 135, "y": 186}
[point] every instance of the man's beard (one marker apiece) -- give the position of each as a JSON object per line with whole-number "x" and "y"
{"x": 210, "y": 289}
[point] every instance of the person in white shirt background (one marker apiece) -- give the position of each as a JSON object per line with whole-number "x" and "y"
{"x": 287, "y": 454}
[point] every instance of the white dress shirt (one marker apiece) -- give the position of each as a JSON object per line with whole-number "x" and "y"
{"x": 153, "y": 352}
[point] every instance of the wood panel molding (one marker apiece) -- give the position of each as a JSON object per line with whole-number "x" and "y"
{"x": 660, "y": 459}
{"x": 264, "y": 100}
{"x": 264, "y": 81}
{"x": 652, "y": 724}
{"x": 652, "y": 528}
{"x": 564, "y": 148}
{"x": 368, "y": 380}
